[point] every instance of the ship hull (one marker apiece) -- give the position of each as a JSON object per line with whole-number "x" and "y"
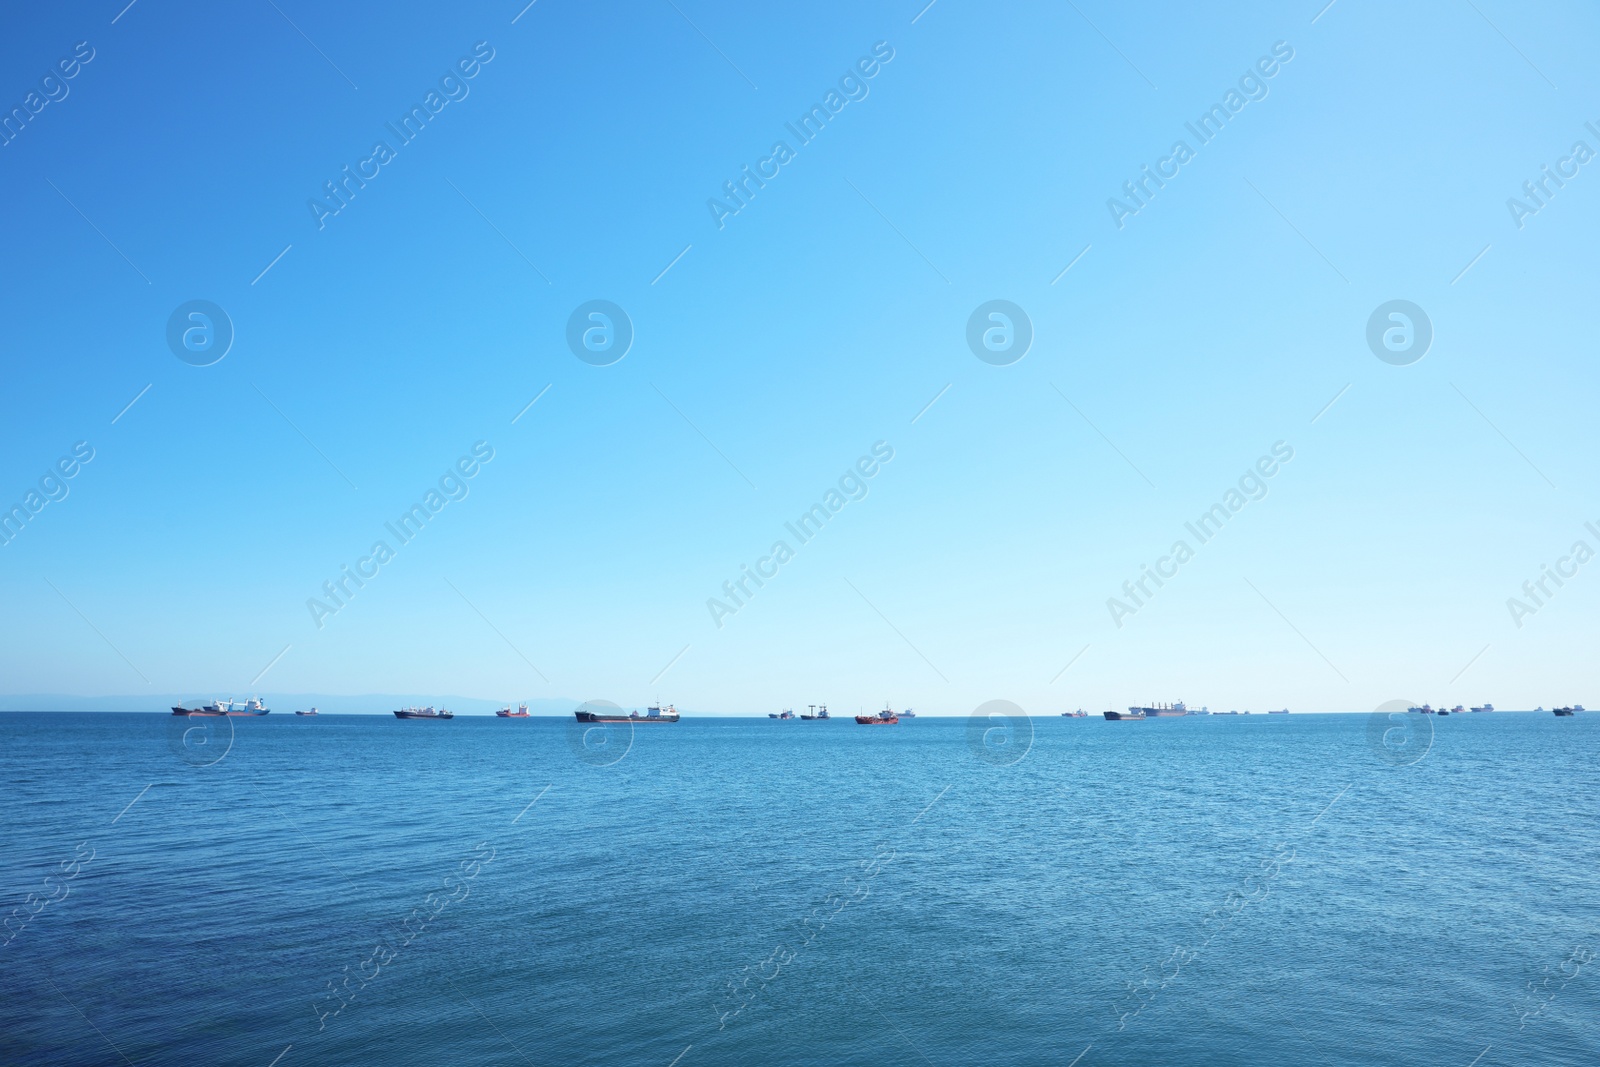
{"x": 197, "y": 713}
{"x": 1123, "y": 716}
{"x": 589, "y": 716}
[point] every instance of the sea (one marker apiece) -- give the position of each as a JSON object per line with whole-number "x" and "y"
{"x": 1221, "y": 890}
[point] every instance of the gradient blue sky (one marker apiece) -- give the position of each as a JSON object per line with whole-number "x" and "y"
{"x": 821, "y": 319}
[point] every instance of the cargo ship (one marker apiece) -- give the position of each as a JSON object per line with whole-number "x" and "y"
{"x": 428, "y": 712}
{"x": 1131, "y": 715}
{"x": 232, "y": 708}
{"x": 1162, "y": 711}
{"x": 1564, "y": 713}
{"x": 654, "y": 714}
{"x": 787, "y": 713}
{"x": 883, "y": 718}
{"x": 1280, "y": 711}
{"x": 817, "y": 715}
{"x": 1079, "y": 714}
{"x": 1424, "y": 710}
{"x": 313, "y": 711}
{"x": 507, "y": 713}
{"x": 1486, "y": 707}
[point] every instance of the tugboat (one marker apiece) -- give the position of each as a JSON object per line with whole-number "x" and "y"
{"x": 883, "y": 718}
{"x": 424, "y": 713}
{"x": 817, "y": 716}
{"x": 655, "y": 714}
{"x": 507, "y": 713}
{"x": 313, "y": 711}
{"x": 1564, "y": 713}
{"x": 1486, "y": 707}
{"x": 1131, "y": 715}
{"x": 788, "y": 713}
{"x": 233, "y": 708}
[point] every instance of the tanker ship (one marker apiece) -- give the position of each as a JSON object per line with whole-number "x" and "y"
{"x": 428, "y": 712}
{"x": 653, "y": 714}
{"x": 233, "y": 708}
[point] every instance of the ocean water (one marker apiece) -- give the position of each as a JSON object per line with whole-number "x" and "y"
{"x": 1236, "y": 890}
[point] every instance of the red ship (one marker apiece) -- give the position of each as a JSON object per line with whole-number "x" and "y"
{"x": 883, "y": 718}
{"x": 507, "y": 713}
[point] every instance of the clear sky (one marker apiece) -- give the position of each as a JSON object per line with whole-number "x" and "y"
{"x": 774, "y": 347}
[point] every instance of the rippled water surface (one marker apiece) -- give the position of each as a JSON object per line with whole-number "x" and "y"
{"x": 1237, "y": 890}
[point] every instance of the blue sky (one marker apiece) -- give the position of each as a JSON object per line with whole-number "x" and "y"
{"x": 778, "y": 349}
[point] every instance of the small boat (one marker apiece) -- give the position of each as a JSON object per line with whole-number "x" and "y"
{"x": 883, "y": 718}
{"x": 428, "y": 712}
{"x": 1564, "y": 713}
{"x": 787, "y": 713}
{"x": 1131, "y": 715}
{"x": 507, "y": 713}
{"x": 313, "y": 711}
{"x": 655, "y": 714}
{"x": 817, "y": 716}
{"x": 1486, "y": 707}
